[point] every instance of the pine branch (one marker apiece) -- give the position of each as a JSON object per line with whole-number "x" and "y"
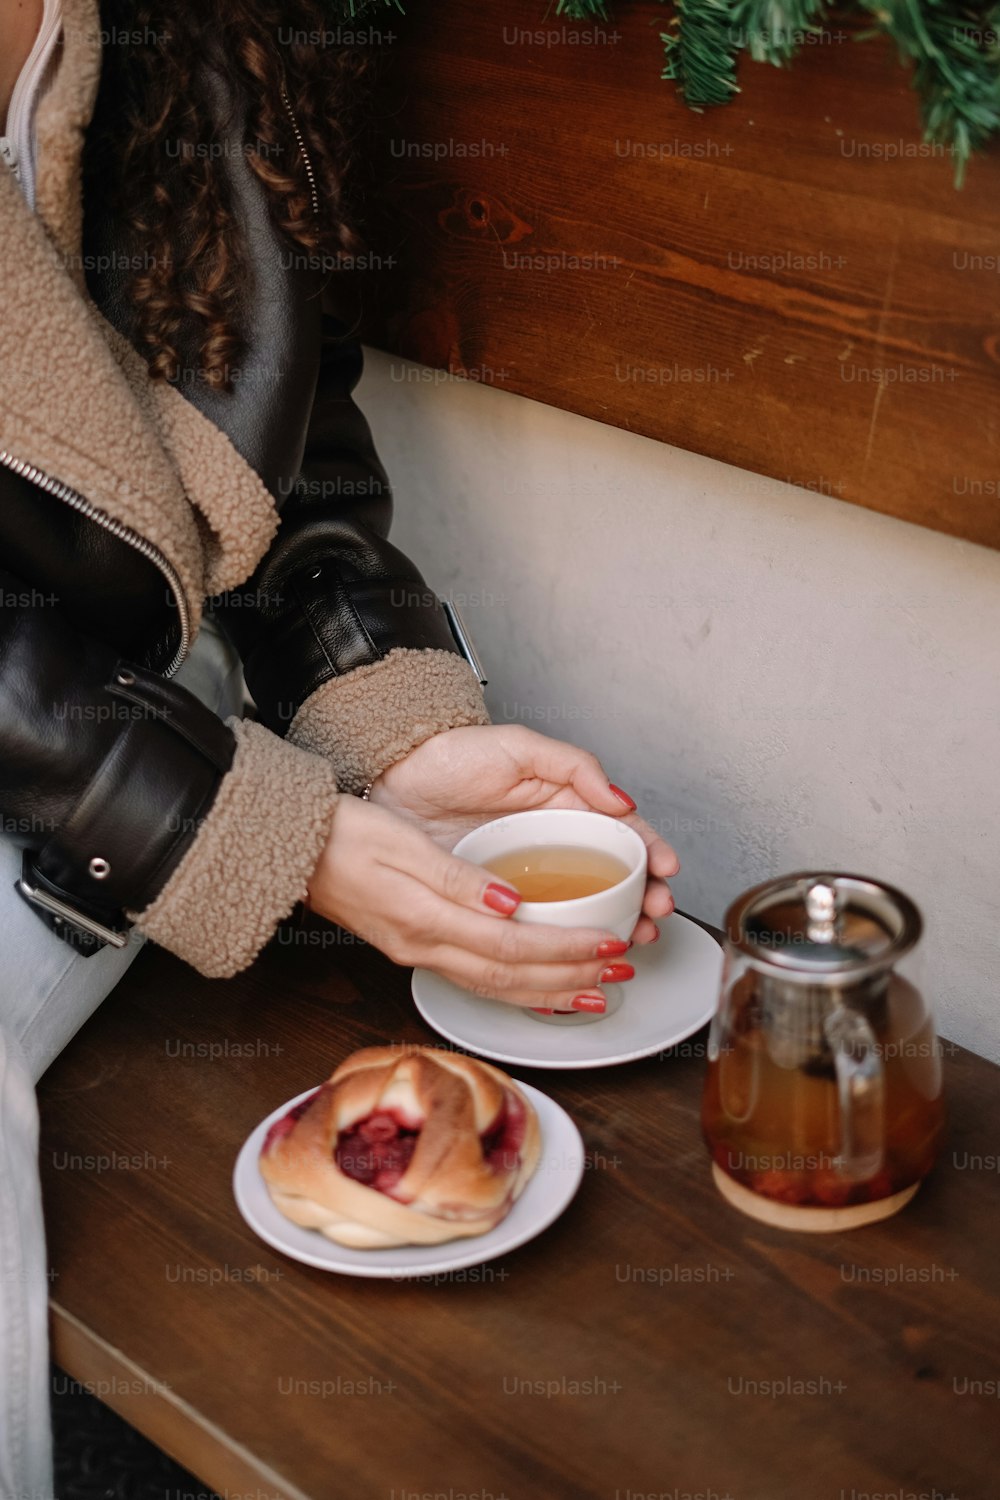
{"x": 351, "y": 10}
{"x": 956, "y": 69}
{"x": 954, "y": 46}
{"x": 582, "y": 10}
{"x": 701, "y": 53}
{"x": 774, "y": 30}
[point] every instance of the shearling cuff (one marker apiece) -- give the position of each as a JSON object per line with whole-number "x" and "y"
{"x": 252, "y": 856}
{"x": 368, "y": 719}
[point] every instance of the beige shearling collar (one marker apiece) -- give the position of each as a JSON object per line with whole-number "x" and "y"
{"x": 75, "y": 398}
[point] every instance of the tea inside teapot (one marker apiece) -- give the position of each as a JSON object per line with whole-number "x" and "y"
{"x": 823, "y": 1088}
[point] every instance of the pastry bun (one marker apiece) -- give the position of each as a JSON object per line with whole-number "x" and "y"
{"x": 403, "y": 1146}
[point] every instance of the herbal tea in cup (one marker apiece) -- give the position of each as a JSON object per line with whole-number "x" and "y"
{"x": 558, "y": 872}
{"x": 573, "y": 869}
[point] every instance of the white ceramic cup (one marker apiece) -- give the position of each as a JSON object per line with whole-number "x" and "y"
{"x": 616, "y": 909}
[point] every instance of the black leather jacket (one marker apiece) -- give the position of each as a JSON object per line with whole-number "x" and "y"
{"x": 98, "y": 747}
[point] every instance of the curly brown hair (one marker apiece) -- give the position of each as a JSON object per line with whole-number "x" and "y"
{"x": 152, "y": 161}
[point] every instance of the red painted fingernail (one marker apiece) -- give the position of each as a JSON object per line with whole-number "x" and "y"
{"x": 617, "y": 973}
{"x": 595, "y": 1004}
{"x": 501, "y": 898}
{"x": 612, "y": 949}
{"x": 622, "y": 796}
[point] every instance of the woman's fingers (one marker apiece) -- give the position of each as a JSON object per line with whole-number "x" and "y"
{"x": 533, "y": 988}
{"x": 456, "y": 880}
{"x": 663, "y": 861}
{"x": 514, "y": 961}
{"x": 422, "y": 905}
{"x": 503, "y": 958}
{"x": 443, "y": 924}
{"x": 646, "y": 931}
{"x": 567, "y": 765}
{"x": 528, "y": 981}
{"x": 469, "y": 901}
{"x": 661, "y": 858}
{"x": 658, "y": 900}
{"x": 467, "y": 898}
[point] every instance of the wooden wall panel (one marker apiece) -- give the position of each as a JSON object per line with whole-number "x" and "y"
{"x": 790, "y": 283}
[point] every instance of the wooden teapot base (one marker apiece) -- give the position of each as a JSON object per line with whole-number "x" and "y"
{"x": 808, "y": 1220}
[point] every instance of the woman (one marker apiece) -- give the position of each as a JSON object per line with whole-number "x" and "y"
{"x": 170, "y": 384}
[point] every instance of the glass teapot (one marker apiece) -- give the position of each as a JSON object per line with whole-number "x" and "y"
{"x": 822, "y": 1105}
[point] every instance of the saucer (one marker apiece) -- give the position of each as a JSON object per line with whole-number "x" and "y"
{"x": 547, "y": 1194}
{"x": 673, "y": 994}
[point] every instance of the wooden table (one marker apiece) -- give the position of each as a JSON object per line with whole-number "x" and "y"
{"x": 683, "y": 1349}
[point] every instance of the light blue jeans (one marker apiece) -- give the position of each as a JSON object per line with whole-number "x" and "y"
{"x": 47, "y": 991}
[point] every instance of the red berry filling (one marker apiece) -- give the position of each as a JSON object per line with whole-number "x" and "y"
{"x": 283, "y": 1126}
{"x": 376, "y": 1151}
{"x": 503, "y": 1140}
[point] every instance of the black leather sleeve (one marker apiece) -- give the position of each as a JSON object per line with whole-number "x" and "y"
{"x": 106, "y": 770}
{"x": 332, "y": 593}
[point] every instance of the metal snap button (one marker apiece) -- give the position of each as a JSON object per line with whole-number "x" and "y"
{"x": 127, "y": 679}
{"x": 99, "y": 868}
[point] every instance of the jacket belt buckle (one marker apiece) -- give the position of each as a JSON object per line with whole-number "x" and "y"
{"x": 94, "y": 934}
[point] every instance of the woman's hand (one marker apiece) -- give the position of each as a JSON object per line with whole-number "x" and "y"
{"x": 463, "y": 777}
{"x": 387, "y": 881}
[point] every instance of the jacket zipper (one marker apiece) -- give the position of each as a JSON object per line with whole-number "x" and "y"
{"x": 78, "y": 502}
{"x": 306, "y": 160}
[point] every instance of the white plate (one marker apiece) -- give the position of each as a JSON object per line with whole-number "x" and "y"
{"x": 547, "y": 1194}
{"x": 674, "y": 992}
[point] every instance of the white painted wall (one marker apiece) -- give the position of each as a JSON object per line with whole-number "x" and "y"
{"x": 782, "y": 680}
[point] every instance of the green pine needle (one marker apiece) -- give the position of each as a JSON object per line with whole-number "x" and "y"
{"x": 774, "y": 30}
{"x": 582, "y": 10}
{"x": 954, "y": 46}
{"x": 701, "y": 53}
{"x": 956, "y": 70}
{"x": 351, "y": 10}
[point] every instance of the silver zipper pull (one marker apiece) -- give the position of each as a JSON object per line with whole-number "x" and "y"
{"x": 463, "y": 640}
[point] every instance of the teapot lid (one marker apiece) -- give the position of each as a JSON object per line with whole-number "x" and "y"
{"x": 823, "y": 926}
